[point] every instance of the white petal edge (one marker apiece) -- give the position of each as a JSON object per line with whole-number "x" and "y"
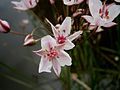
{"x": 64, "y": 59}
{"x": 94, "y": 6}
{"x": 56, "y": 67}
{"x": 88, "y": 18}
{"x": 55, "y": 32}
{"x": 75, "y": 35}
{"x": 65, "y": 27}
{"x": 110, "y": 24}
{"x": 68, "y": 45}
{"x": 40, "y": 52}
{"x": 114, "y": 11}
{"x": 48, "y": 42}
{"x": 45, "y": 65}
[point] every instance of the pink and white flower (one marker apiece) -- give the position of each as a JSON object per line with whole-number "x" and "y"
{"x": 102, "y": 15}
{"x": 62, "y": 33}
{"x": 72, "y": 2}
{"x": 4, "y": 26}
{"x": 25, "y": 4}
{"x": 52, "y": 55}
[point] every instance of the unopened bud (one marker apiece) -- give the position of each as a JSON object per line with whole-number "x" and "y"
{"x": 30, "y": 41}
{"x": 4, "y": 26}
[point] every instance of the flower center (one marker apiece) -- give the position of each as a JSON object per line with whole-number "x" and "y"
{"x": 104, "y": 13}
{"x": 52, "y": 54}
{"x": 61, "y": 39}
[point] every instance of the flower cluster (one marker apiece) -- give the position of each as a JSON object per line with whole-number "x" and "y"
{"x": 53, "y": 54}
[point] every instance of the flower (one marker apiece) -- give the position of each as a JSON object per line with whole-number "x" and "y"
{"x": 102, "y": 15}
{"x": 30, "y": 41}
{"x": 62, "y": 33}
{"x": 52, "y": 55}
{"x": 25, "y": 4}
{"x": 4, "y": 26}
{"x": 117, "y": 0}
{"x": 72, "y": 2}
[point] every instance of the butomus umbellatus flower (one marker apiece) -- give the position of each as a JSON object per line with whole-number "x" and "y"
{"x": 102, "y": 14}
{"x": 52, "y": 55}
{"x": 62, "y": 33}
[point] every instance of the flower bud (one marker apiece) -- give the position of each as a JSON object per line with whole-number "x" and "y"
{"x": 4, "y": 26}
{"x": 29, "y": 40}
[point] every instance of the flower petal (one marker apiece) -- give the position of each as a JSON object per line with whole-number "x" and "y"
{"x": 48, "y": 42}
{"x": 54, "y": 30}
{"x": 64, "y": 58}
{"x": 75, "y": 35}
{"x": 40, "y": 52}
{"x": 114, "y": 11}
{"x": 19, "y": 5}
{"x": 56, "y": 67}
{"x": 68, "y": 45}
{"x": 91, "y": 27}
{"x": 110, "y": 24}
{"x": 72, "y": 2}
{"x": 65, "y": 28}
{"x": 99, "y": 29}
{"x": 68, "y": 2}
{"x": 94, "y": 6}
{"x": 88, "y": 18}
{"x": 25, "y": 4}
{"x": 45, "y": 65}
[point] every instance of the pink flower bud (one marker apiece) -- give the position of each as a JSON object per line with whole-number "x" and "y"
{"x": 29, "y": 40}
{"x": 4, "y": 26}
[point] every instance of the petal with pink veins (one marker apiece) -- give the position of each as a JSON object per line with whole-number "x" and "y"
{"x": 68, "y": 45}
{"x": 54, "y": 30}
{"x": 64, "y": 58}
{"x": 114, "y": 11}
{"x": 40, "y": 52}
{"x": 45, "y": 65}
{"x": 75, "y": 35}
{"x": 48, "y": 42}
{"x": 94, "y": 6}
{"x": 65, "y": 27}
{"x": 88, "y": 18}
{"x": 56, "y": 67}
{"x": 110, "y": 24}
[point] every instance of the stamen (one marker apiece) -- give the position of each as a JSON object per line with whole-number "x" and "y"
{"x": 61, "y": 39}
{"x": 52, "y": 54}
